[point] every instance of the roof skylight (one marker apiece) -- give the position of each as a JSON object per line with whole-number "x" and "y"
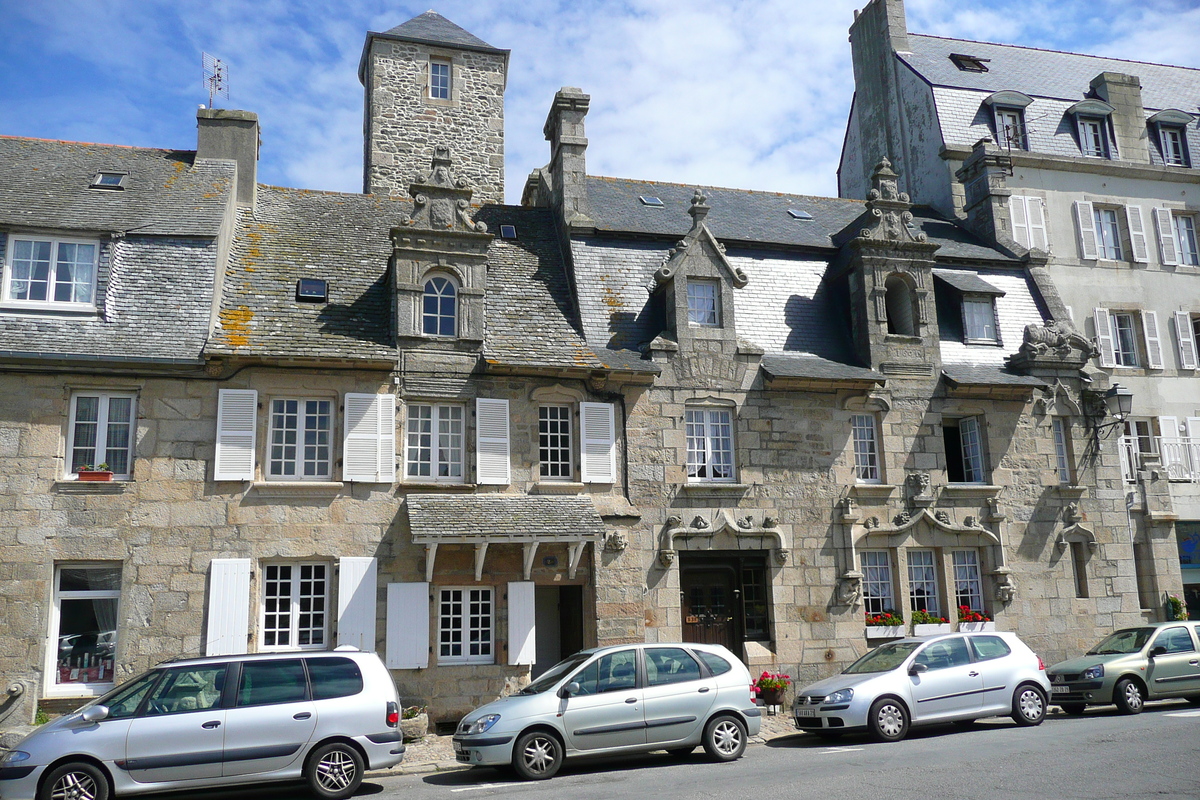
{"x": 797, "y": 213}
{"x": 969, "y": 63}
{"x": 109, "y": 180}
{"x": 649, "y": 200}
{"x": 312, "y": 290}
{"x": 508, "y": 231}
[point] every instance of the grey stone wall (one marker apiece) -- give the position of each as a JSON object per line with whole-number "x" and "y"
{"x": 403, "y": 123}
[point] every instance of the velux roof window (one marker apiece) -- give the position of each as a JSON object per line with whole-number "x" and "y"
{"x": 969, "y": 63}
{"x": 109, "y": 180}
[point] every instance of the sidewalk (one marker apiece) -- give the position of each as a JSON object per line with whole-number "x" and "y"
{"x": 435, "y": 753}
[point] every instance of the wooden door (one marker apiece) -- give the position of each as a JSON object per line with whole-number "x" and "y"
{"x": 710, "y": 608}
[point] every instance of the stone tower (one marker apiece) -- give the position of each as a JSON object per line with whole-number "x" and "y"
{"x": 429, "y": 83}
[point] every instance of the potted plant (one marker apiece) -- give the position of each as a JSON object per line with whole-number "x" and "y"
{"x": 414, "y": 722}
{"x": 770, "y": 687}
{"x": 885, "y": 625}
{"x": 100, "y": 472}
{"x": 925, "y": 624}
{"x": 969, "y": 620}
{"x": 1176, "y": 610}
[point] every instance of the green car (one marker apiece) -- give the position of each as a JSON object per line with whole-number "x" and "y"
{"x": 1131, "y": 666}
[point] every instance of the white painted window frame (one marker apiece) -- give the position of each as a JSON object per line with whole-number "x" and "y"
{"x": 922, "y": 579}
{"x": 708, "y": 448}
{"x": 466, "y": 623}
{"x": 295, "y": 599}
{"x": 877, "y": 586}
{"x": 704, "y": 302}
{"x": 299, "y": 461}
{"x": 10, "y": 250}
{"x": 440, "y": 452}
{"x": 103, "y": 425}
{"x": 556, "y": 442}
{"x": 864, "y": 433}
{"x": 968, "y": 578}
{"x": 51, "y": 686}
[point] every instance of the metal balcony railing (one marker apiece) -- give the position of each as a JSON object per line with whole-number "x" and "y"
{"x": 1180, "y": 457}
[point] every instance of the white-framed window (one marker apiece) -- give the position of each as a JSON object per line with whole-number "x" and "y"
{"x": 1108, "y": 233}
{"x": 1174, "y": 145}
{"x": 554, "y": 442}
{"x": 866, "y": 448}
{"x": 295, "y": 607}
{"x": 439, "y": 307}
{"x": 439, "y": 79}
{"x": 1093, "y": 137}
{"x": 435, "y": 443}
{"x": 300, "y": 445}
{"x": 877, "y": 581}
{"x": 968, "y": 581}
{"x": 1185, "y": 234}
{"x": 1124, "y": 333}
{"x": 1010, "y": 128}
{"x": 1137, "y": 442}
{"x": 709, "y": 444}
{"x": 465, "y": 625}
{"x": 83, "y": 628}
{"x": 101, "y": 432}
{"x": 963, "y": 438}
{"x": 922, "y": 581}
{"x": 51, "y": 272}
{"x": 703, "y": 306}
{"x": 1062, "y": 449}
{"x": 979, "y": 319}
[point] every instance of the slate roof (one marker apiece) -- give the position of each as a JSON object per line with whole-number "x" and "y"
{"x": 435, "y": 518}
{"x": 293, "y": 234}
{"x": 987, "y": 375}
{"x": 432, "y": 28}
{"x": 44, "y": 183}
{"x": 808, "y": 366}
{"x": 1017, "y": 305}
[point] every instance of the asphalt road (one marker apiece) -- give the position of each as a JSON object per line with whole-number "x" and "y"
{"x": 1099, "y": 756}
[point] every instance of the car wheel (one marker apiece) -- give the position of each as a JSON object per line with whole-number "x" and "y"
{"x": 681, "y": 752}
{"x": 75, "y": 781}
{"x": 537, "y": 756}
{"x": 724, "y": 738}
{"x": 888, "y": 720}
{"x": 1073, "y": 709}
{"x": 334, "y": 771}
{"x": 1029, "y": 705}
{"x": 1128, "y": 696}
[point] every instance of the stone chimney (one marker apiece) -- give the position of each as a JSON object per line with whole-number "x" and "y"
{"x": 1124, "y": 94}
{"x": 882, "y": 21}
{"x": 568, "y": 149}
{"x": 233, "y": 136}
{"x": 984, "y": 176}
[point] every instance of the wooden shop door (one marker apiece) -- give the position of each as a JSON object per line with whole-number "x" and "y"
{"x": 710, "y": 607}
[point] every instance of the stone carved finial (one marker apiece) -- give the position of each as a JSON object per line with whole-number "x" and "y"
{"x": 699, "y": 208}
{"x": 889, "y": 207}
{"x": 442, "y": 202}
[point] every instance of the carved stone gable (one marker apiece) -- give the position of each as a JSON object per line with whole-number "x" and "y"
{"x": 888, "y": 209}
{"x": 440, "y": 200}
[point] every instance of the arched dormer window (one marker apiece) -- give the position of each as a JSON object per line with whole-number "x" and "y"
{"x": 440, "y": 307}
{"x": 900, "y": 302}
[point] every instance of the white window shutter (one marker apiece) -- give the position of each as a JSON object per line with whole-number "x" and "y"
{"x": 1168, "y": 427}
{"x": 522, "y": 626}
{"x": 357, "y": 602}
{"x": 1104, "y": 337}
{"x": 237, "y": 415}
{"x": 1020, "y": 219}
{"x": 1154, "y": 355}
{"x": 407, "y": 626}
{"x": 1137, "y": 234}
{"x": 599, "y": 448}
{"x": 1086, "y": 224}
{"x": 491, "y": 442}
{"x": 1192, "y": 425}
{"x": 1168, "y": 247}
{"x": 369, "y": 445}
{"x": 228, "y": 607}
{"x": 1036, "y": 209}
{"x": 1187, "y": 340}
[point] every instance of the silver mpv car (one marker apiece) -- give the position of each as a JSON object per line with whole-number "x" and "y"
{"x": 617, "y": 699}
{"x": 218, "y": 721}
{"x": 950, "y": 678}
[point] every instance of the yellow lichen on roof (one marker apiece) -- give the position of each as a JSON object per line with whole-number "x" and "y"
{"x": 179, "y": 168}
{"x": 235, "y": 323}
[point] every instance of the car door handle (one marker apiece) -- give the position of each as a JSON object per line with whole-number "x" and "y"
{"x": 1194, "y": 662}
{"x": 972, "y": 674}
{"x": 302, "y": 715}
{"x": 630, "y": 699}
{"x": 215, "y": 723}
{"x": 702, "y": 689}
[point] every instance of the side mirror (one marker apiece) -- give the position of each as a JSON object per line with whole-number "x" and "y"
{"x": 1158, "y": 651}
{"x": 570, "y": 689}
{"x": 94, "y": 714}
{"x": 917, "y": 668}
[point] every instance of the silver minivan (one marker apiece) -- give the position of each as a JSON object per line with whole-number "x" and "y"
{"x": 617, "y": 699}
{"x": 219, "y": 721}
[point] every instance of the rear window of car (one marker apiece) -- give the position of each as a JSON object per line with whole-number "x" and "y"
{"x": 334, "y": 677}
{"x": 266, "y": 682}
{"x": 714, "y": 662}
{"x": 666, "y": 665}
{"x": 987, "y": 647}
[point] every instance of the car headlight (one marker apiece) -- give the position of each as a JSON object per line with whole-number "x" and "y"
{"x": 1092, "y": 673}
{"x": 483, "y": 724}
{"x": 840, "y": 696}
{"x": 14, "y": 757}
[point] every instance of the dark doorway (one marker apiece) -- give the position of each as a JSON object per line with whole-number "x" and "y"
{"x": 559, "y": 618}
{"x": 724, "y": 598}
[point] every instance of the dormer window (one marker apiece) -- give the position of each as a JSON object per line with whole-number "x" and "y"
{"x": 702, "y": 303}
{"x": 1172, "y": 125}
{"x": 109, "y": 180}
{"x": 1091, "y": 124}
{"x": 50, "y": 272}
{"x": 967, "y": 299}
{"x": 1010, "y": 128}
{"x": 440, "y": 307}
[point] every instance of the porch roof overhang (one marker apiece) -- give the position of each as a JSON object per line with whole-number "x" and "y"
{"x": 988, "y": 380}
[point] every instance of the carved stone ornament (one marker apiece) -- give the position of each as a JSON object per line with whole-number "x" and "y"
{"x": 674, "y": 521}
{"x": 888, "y": 208}
{"x": 745, "y": 522}
{"x": 849, "y": 589}
{"x": 871, "y": 522}
{"x": 1006, "y": 590}
{"x": 1071, "y": 514}
{"x": 918, "y": 483}
{"x": 666, "y": 558}
{"x": 442, "y": 202}
{"x": 782, "y": 555}
{"x": 700, "y": 523}
{"x": 903, "y": 518}
{"x": 616, "y": 542}
{"x": 942, "y": 516}
{"x": 971, "y": 521}
{"x": 770, "y": 522}
{"x": 1058, "y": 340}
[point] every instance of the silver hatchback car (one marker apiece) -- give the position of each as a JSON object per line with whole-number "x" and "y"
{"x": 917, "y": 681}
{"x": 617, "y": 699}
{"x": 218, "y": 721}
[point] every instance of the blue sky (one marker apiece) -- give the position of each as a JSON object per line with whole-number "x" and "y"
{"x": 750, "y": 94}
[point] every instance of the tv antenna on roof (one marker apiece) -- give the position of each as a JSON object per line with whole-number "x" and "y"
{"x": 216, "y": 78}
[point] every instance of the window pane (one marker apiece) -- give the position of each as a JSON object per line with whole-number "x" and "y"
{"x": 554, "y": 441}
{"x": 866, "y": 457}
{"x": 1185, "y": 228}
{"x": 968, "y": 586}
{"x": 702, "y": 303}
{"x": 439, "y": 307}
{"x": 265, "y": 682}
{"x": 1124, "y": 340}
{"x": 334, "y": 677}
{"x": 420, "y": 440}
{"x": 922, "y": 581}
{"x": 187, "y": 689}
{"x": 1061, "y": 457}
{"x": 84, "y": 435}
{"x": 665, "y": 665}
{"x": 981, "y": 319}
{"x": 972, "y": 450}
{"x": 877, "y": 581}
{"x": 86, "y": 639}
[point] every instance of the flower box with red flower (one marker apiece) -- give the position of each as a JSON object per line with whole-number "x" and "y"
{"x": 885, "y": 625}
{"x": 928, "y": 624}
{"x": 971, "y": 620}
{"x": 769, "y": 687}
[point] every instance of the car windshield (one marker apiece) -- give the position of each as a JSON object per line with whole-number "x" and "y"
{"x": 883, "y": 658}
{"x": 1130, "y": 640}
{"x": 553, "y": 675}
{"x": 124, "y": 700}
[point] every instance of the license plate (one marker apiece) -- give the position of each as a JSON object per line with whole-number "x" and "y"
{"x": 806, "y": 712}
{"x": 1059, "y": 689}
